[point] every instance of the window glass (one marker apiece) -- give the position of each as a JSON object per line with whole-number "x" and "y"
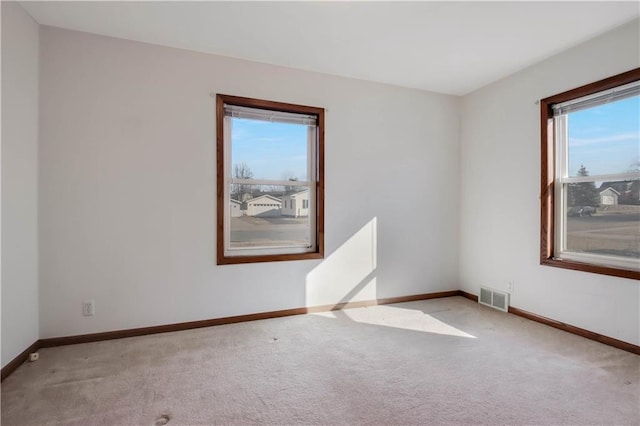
{"x": 269, "y": 163}
{"x": 590, "y": 174}
{"x": 610, "y": 228}
{"x": 266, "y": 150}
{"x": 264, "y": 223}
{"x": 604, "y": 139}
{"x": 602, "y": 217}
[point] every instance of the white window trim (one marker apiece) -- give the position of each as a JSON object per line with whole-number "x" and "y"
{"x": 562, "y": 180}
{"x": 312, "y": 136}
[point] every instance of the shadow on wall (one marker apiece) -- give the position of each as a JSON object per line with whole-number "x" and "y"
{"x": 348, "y": 274}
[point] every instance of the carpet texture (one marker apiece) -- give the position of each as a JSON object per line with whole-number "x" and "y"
{"x": 441, "y": 361}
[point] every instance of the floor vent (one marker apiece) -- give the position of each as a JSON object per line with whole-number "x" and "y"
{"x": 494, "y": 298}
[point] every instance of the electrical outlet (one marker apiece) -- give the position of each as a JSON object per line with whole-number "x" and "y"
{"x": 88, "y": 308}
{"x": 510, "y": 286}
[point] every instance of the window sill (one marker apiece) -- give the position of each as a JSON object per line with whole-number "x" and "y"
{"x": 588, "y": 267}
{"x": 234, "y": 260}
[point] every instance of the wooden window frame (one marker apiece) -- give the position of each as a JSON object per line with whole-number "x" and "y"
{"x": 318, "y": 252}
{"x": 547, "y": 173}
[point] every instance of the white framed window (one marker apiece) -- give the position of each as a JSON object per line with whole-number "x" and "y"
{"x": 591, "y": 177}
{"x": 267, "y": 151}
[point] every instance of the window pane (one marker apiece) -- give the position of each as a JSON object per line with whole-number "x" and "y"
{"x": 605, "y": 139}
{"x": 262, "y": 220}
{"x": 609, "y": 227}
{"x": 582, "y": 194}
{"x": 264, "y": 150}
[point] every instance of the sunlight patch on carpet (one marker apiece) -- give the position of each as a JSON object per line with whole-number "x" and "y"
{"x": 407, "y": 319}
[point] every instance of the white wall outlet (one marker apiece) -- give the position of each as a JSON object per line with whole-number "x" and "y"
{"x": 511, "y": 286}
{"x": 88, "y": 308}
{"x": 34, "y": 356}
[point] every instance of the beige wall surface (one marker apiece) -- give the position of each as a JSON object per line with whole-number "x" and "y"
{"x": 127, "y": 187}
{"x": 500, "y": 228}
{"x": 19, "y": 181}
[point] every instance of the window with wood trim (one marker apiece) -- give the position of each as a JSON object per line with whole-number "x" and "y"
{"x": 590, "y": 176}
{"x": 270, "y": 181}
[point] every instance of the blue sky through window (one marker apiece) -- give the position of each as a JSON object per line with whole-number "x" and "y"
{"x": 606, "y": 138}
{"x": 275, "y": 151}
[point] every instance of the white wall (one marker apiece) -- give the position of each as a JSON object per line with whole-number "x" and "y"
{"x": 500, "y": 172}
{"x": 127, "y": 188}
{"x": 19, "y": 181}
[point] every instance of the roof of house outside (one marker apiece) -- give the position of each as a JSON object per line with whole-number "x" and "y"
{"x": 253, "y": 200}
{"x": 610, "y": 189}
{"x": 619, "y": 185}
{"x": 297, "y": 193}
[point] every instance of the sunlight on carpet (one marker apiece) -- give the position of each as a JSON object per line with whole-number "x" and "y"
{"x": 408, "y": 319}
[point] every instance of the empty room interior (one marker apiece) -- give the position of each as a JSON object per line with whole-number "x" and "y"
{"x": 320, "y": 213}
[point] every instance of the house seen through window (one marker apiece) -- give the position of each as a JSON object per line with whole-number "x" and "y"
{"x": 270, "y": 188}
{"x": 591, "y": 177}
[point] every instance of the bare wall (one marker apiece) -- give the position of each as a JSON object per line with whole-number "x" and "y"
{"x": 127, "y": 187}
{"x": 500, "y": 178}
{"x": 19, "y": 181}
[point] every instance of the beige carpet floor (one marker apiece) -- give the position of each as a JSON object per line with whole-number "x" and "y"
{"x": 442, "y": 361}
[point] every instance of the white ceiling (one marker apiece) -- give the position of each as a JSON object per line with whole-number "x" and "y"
{"x": 446, "y": 47}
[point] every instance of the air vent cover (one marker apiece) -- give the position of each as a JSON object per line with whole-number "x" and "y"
{"x": 494, "y": 298}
